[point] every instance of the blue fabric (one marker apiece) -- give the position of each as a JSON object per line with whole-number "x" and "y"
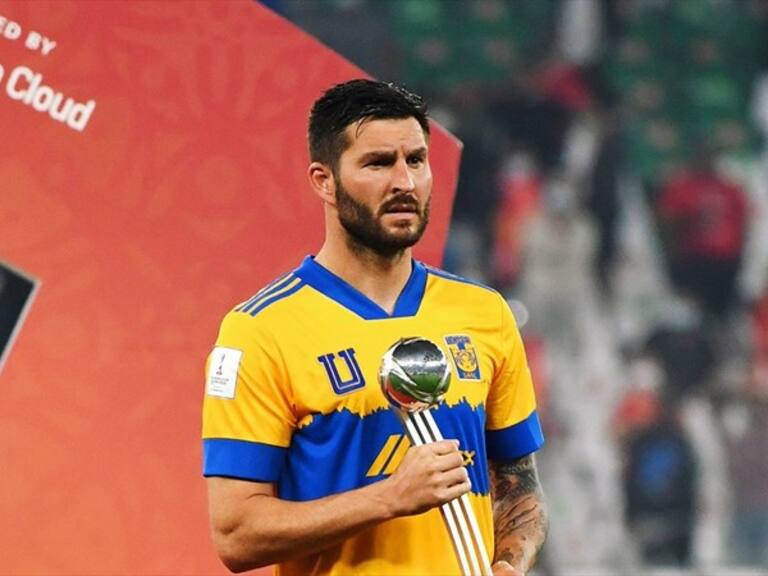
{"x": 335, "y": 451}
{"x": 515, "y": 441}
{"x": 326, "y": 282}
{"x": 466, "y": 424}
{"x": 242, "y": 459}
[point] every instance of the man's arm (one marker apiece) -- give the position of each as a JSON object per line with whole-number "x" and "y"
{"x": 519, "y": 512}
{"x": 252, "y": 527}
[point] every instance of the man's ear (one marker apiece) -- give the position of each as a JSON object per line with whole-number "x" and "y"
{"x": 322, "y": 182}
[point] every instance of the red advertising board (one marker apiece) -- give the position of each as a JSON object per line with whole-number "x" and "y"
{"x": 152, "y": 174}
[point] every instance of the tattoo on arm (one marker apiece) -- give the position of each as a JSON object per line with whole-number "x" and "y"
{"x": 520, "y": 516}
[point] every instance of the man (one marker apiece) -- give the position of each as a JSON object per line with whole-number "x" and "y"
{"x": 307, "y": 466}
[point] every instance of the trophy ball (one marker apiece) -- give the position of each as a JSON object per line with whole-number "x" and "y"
{"x": 414, "y": 374}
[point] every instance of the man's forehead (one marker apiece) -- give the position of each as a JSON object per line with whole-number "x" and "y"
{"x": 387, "y": 133}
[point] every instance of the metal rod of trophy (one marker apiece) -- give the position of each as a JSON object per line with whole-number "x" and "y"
{"x": 453, "y": 507}
{"x": 460, "y": 541}
{"x": 414, "y": 376}
{"x": 463, "y": 500}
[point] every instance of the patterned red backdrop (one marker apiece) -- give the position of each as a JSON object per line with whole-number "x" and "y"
{"x": 182, "y": 194}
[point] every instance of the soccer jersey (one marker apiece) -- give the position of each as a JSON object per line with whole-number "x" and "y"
{"x": 292, "y": 398}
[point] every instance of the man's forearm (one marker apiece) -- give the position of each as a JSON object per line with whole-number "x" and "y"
{"x": 519, "y": 511}
{"x": 267, "y": 530}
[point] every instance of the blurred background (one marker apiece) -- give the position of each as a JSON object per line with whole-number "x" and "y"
{"x": 614, "y": 186}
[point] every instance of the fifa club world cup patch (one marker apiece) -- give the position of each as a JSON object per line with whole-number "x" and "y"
{"x": 222, "y": 372}
{"x": 464, "y": 357}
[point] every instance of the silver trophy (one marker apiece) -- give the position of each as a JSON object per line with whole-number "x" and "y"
{"x": 414, "y": 376}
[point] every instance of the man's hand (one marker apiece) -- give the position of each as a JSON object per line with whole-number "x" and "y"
{"x": 429, "y": 476}
{"x": 502, "y": 568}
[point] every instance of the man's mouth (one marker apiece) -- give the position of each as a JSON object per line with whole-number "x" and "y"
{"x": 402, "y": 208}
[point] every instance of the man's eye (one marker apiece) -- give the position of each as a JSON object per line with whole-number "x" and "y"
{"x": 416, "y": 160}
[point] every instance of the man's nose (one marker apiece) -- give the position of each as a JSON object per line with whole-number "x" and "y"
{"x": 402, "y": 179}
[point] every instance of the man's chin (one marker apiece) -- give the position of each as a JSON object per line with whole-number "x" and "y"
{"x": 403, "y": 240}
{"x": 401, "y": 230}
{"x": 390, "y": 244}
{"x": 390, "y": 238}
{"x": 402, "y": 225}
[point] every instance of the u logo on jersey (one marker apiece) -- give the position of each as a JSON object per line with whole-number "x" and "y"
{"x": 464, "y": 357}
{"x": 340, "y": 385}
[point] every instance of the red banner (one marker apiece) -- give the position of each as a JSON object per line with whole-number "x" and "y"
{"x": 152, "y": 174}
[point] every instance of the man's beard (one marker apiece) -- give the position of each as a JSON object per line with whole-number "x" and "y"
{"x": 365, "y": 227}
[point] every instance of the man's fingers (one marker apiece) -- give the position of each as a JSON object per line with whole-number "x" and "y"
{"x": 434, "y": 473}
{"x": 502, "y": 568}
{"x": 455, "y": 476}
{"x": 457, "y": 490}
{"x": 444, "y": 446}
{"x": 447, "y": 462}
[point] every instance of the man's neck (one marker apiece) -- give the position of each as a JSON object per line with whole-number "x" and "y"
{"x": 380, "y": 278}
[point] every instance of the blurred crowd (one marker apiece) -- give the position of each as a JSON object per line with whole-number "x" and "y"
{"x": 614, "y": 187}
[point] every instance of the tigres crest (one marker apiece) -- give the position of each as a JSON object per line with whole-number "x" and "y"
{"x": 464, "y": 357}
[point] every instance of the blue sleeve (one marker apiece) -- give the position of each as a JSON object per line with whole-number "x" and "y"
{"x": 515, "y": 441}
{"x": 242, "y": 459}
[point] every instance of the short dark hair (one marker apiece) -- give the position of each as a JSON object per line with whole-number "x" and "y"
{"x": 355, "y": 101}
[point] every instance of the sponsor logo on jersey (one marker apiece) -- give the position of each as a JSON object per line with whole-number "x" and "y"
{"x": 464, "y": 357}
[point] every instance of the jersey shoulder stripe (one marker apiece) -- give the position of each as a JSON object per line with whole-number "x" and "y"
{"x": 448, "y": 276}
{"x": 291, "y": 288}
{"x": 282, "y": 287}
{"x": 274, "y": 285}
{"x": 278, "y": 288}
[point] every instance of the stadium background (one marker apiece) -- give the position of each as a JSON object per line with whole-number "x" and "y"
{"x": 584, "y": 124}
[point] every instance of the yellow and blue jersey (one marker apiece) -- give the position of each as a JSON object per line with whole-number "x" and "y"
{"x": 292, "y": 398}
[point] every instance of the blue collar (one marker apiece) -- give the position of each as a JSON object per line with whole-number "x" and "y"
{"x": 326, "y": 282}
